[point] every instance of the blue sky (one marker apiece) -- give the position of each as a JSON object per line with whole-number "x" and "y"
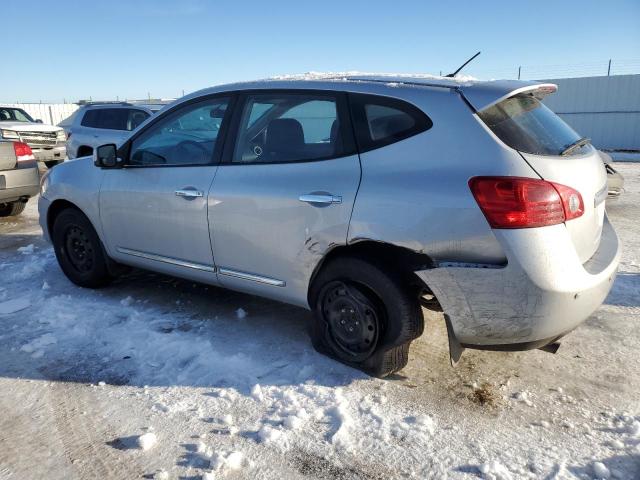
{"x": 79, "y": 49}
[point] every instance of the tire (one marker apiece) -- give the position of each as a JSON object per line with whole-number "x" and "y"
{"x": 79, "y": 250}
{"x": 51, "y": 163}
{"x": 364, "y": 316}
{"x": 11, "y": 209}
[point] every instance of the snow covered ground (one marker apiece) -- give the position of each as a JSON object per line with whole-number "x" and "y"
{"x": 155, "y": 377}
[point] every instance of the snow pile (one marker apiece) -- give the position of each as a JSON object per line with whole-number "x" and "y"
{"x": 27, "y": 250}
{"x": 340, "y": 76}
{"x": 600, "y": 470}
{"x": 226, "y": 461}
{"x": 494, "y": 470}
{"x": 147, "y": 441}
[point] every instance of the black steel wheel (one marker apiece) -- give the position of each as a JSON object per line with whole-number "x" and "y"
{"x": 353, "y": 321}
{"x": 365, "y": 315}
{"x": 79, "y": 250}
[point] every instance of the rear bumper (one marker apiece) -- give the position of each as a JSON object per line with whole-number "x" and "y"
{"x": 18, "y": 183}
{"x": 50, "y": 154}
{"x": 542, "y": 293}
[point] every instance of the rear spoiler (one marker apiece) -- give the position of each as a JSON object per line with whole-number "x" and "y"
{"x": 486, "y": 94}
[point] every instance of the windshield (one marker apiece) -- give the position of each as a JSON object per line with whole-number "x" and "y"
{"x": 524, "y": 123}
{"x": 14, "y": 115}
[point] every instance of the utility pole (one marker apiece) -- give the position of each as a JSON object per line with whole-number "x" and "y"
{"x": 519, "y": 72}
{"x": 609, "y": 68}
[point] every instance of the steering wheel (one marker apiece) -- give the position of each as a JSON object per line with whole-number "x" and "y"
{"x": 188, "y": 148}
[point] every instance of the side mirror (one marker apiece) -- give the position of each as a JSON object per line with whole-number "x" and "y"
{"x": 38, "y": 120}
{"x": 106, "y": 156}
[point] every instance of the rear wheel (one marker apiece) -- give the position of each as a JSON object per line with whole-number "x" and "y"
{"x": 364, "y": 316}
{"x": 11, "y": 209}
{"x": 79, "y": 250}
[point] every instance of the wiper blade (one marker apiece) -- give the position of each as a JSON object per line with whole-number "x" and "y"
{"x": 575, "y": 145}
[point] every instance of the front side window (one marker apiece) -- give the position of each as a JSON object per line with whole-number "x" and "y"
{"x": 381, "y": 121}
{"x": 14, "y": 115}
{"x": 187, "y": 136}
{"x": 288, "y": 128}
{"x": 525, "y": 124}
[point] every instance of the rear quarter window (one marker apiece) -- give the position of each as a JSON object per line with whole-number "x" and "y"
{"x": 381, "y": 121}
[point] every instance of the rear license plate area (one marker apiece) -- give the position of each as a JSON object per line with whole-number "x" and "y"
{"x": 3, "y": 182}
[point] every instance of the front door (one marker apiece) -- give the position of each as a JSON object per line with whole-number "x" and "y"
{"x": 284, "y": 192}
{"x": 154, "y": 210}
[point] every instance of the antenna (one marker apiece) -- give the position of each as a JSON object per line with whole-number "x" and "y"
{"x": 451, "y": 75}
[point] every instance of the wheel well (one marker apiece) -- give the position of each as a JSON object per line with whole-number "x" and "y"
{"x": 84, "y": 151}
{"x": 401, "y": 261}
{"x": 54, "y": 210}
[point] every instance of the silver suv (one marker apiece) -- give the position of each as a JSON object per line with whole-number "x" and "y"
{"x": 98, "y": 123}
{"x": 362, "y": 199}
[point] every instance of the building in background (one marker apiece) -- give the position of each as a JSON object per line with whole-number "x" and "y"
{"x": 605, "y": 109}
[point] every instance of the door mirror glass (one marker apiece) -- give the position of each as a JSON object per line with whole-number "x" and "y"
{"x": 105, "y": 156}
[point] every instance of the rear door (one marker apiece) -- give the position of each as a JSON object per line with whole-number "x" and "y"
{"x": 284, "y": 192}
{"x": 543, "y": 139}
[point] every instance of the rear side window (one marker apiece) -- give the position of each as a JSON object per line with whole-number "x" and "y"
{"x": 114, "y": 118}
{"x": 525, "y": 124}
{"x": 90, "y": 119}
{"x": 290, "y": 127}
{"x": 381, "y": 121}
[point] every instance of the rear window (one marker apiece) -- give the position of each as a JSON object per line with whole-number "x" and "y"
{"x": 381, "y": 121}
{"x": 524, "y": 123}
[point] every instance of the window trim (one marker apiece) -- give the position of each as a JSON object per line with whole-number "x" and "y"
{"x": 357, "y": 102}
{"x": 342, "y": 111}
{"x": 125, "y": 150}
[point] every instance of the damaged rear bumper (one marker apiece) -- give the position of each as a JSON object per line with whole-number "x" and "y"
{"x": 542, "y": 293}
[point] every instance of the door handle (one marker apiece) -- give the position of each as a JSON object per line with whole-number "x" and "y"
{"x": 324, "y": 199}
{"x": 189, "y": 193}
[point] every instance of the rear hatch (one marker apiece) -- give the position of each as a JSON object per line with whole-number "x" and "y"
{"x": 557, "y": 154}
{"x": 7, "y": 156}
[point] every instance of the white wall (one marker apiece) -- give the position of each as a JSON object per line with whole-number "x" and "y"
{"x": 605, "y": 109}
{"x": 50, "y": 113}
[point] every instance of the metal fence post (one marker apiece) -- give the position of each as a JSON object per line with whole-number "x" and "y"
{"x": 609, "y": 68}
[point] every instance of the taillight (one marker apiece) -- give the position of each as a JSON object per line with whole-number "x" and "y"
{"x": 516, "y": 202}
{"x": 23, "y": 152}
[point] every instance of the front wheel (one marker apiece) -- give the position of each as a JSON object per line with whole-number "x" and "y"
{"x": 79, "y": 250}
{"x": 364, "y": 316}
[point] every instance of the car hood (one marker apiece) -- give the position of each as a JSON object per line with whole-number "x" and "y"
{"x": 29, "y": 127}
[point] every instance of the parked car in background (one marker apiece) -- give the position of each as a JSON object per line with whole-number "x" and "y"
{"x": 361, "y": 199}
{"x": 94, "y": 124}
{"x": 615, "y": 180}
{"x": 47, "y": 142}
{"x": 19, "y": 177}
